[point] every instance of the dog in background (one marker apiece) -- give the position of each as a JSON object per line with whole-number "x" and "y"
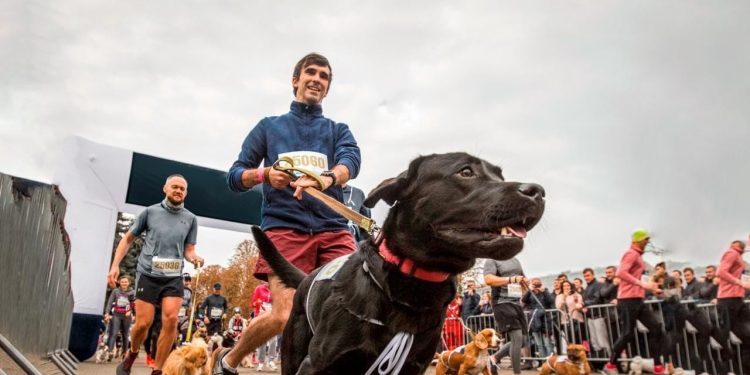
{"x": 575, "y": 363}
{"x": 471, "y": 359}
{"x": 191, "y": 359}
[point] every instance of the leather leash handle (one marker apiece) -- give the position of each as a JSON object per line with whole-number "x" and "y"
{"x": 360, "y": 220}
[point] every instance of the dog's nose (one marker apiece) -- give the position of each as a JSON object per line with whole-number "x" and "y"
{"x": 532, "y": 190}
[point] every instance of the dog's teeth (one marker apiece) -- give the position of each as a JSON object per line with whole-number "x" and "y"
{"x": 504, "y": 231}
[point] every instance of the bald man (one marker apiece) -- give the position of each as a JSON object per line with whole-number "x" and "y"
{"x": 172, "y": 232}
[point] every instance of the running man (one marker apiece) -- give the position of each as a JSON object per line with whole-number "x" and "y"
{"x": 630, "y": 306}
{"x": 306, "y": 231}
{"x": 171, "y": 236}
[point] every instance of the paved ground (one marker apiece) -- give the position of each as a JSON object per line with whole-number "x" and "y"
{"x": 92, "y": 368}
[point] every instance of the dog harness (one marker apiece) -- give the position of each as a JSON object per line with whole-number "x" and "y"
{"x": 447, "y": 364}
{"x": 393, "y": 357}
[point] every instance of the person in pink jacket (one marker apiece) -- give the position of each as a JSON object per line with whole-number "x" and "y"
{"x": 570, "y": 304}
{"x": 630, "y": 306}
{"x": 734, "y": 314}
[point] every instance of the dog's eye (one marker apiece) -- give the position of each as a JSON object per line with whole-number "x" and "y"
{"x": 466, "y": 173}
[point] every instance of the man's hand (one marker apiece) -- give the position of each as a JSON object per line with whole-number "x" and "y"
{"x": 197, "y": 261}
{"x": 112, "y": 276}
{"x": 307, "y": 181}
{"x": 223, "y": 316}
{"x": 107, "y": 317}
{"x": 205, "y": 320}
{"x": 278, "y": 179}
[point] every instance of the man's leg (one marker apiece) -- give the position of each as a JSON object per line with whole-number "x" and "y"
{"x": 265, "y": 326}
{"x": 142, "y": 324}
{"x": 170, "y": 306}
{"x": 647, "y": 316}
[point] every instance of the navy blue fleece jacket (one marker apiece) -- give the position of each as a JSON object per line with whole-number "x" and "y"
{"x": 302, "y": 129}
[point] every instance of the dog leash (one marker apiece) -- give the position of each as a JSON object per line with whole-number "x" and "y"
{"x": 192, "y": 308}
{"x": 286, "y": 164}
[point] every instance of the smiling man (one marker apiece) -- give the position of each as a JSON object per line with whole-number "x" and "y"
{"x": 172, "y": 232}
{"x": 305, "y": 231}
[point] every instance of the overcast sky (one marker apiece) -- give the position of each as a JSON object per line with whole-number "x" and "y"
{"x": 629, "y": 113}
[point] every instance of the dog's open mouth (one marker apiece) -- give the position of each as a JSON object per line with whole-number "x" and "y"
{"x": 512, "y": 230}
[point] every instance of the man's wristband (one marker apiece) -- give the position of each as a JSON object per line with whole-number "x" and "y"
{"x": 260, "y": 173}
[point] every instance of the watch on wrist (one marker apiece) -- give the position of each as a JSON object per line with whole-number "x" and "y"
{"x": 331, "y": 175}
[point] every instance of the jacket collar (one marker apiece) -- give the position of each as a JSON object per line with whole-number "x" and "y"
{"x": 300, "y": 108}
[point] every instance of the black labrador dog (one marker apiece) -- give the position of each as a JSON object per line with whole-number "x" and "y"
{"x": 447, "y": 210}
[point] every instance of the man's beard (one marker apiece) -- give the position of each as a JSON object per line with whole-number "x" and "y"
{"x": 173, "y": 201}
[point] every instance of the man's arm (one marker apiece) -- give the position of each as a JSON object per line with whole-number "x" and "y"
{"x": 122, "y": 249}
{"x": 191, "y": 256}
{"x": 243, "y": 174}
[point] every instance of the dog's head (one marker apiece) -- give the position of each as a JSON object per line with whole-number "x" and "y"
{"x": 486, "y": 338}
{"x": 576, "y": 352}
{"x": 453, "y": 208}
{"x": 195, "y": 355}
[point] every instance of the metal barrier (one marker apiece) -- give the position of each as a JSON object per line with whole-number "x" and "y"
{"x": 36, "y": 302}
{"x": 693, "y": 342}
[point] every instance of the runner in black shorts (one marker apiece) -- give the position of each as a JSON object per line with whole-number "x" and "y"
{"x": 171, "y": 236}
{"x": 506, "y": 279}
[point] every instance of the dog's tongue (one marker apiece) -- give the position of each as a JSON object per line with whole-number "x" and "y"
{"x": 517, "y": 231}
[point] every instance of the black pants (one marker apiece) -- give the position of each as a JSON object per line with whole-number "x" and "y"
{"x": 734, "y": 316}
{"x": 630, "y": 311}
{"x": 213, "y": 326}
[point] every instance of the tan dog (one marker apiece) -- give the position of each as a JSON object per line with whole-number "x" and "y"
{"x": 575, "y": 363}
{"x": 473, "y": 360}
{"x": 191, "y": 359}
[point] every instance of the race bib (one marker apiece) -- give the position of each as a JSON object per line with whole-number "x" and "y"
{"x": 166, "y": 266}
{"x": 310, "y": 160}
{"x": 215, "y": 312}
{"x": 514, "y": 290}
{"x": 182, "y": 312}
{"x": 123, "y": 301}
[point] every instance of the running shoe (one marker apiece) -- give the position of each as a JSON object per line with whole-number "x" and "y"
{"x": 219, "y": 368}
{"x": 610, "y": 368}
{"x": 124, "y": 367}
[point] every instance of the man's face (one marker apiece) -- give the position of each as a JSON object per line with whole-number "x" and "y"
{"x": 689, "y": 277}
{"x": 176, "y": 190}
{"x": 187, "y": 283}
{"x": 659, "y": 270}
{"x": 589, "y": 277}
{"x": 676, "y": 275}
{"x": 610, "y": 273}
{"x": 470, "y": 285}
{"x": 217, "y": 291}
{"x": 312, "y": 84}
{"x": 710, "y": 272}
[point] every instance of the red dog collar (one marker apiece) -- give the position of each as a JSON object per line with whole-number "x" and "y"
{"x": 407, "y": 267}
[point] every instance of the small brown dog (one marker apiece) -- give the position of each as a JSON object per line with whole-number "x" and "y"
{"x": 575, "y": 363}
{"x": 191, "y": 359}
{"x": 471, "y": 359}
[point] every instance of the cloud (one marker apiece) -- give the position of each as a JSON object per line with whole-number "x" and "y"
{"x": 629, "y": 113}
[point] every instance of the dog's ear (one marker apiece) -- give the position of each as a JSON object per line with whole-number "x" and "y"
{"x": 481, "y": 341}
{"x": 388, "y": 191}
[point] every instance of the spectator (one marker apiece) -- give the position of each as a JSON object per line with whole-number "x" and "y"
{"x": 452, "y": 328}
{"x": 556, "y": 288}
{"x": 630, "y": 306}
{"x": 692, "y": 285}
{"x": 236, "y": 323}
{"x": 537, "y": 304}
{"x": 591, "y": 295}
{"x": 570, "y": 304}
{"x": 608, "y": 290}
{"x": 709, "y": 289}
{"x": 485, "y": 305}
{"x": 733, "y": 312}
{"x": 578, "y": 285}
{"x": 471, "y": 300}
